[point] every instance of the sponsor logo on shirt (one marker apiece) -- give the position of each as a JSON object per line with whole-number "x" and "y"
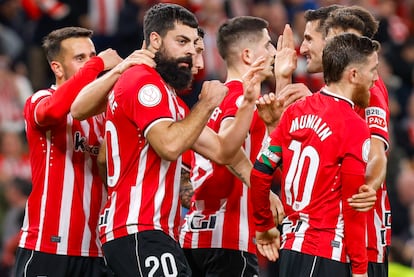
{"x": 376, "y": 118}
{"x": 80, "y": 144}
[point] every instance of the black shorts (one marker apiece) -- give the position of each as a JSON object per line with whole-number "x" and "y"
{"x": 148, "y": 253}
{"x": 34, "y": 263}
{"x": 215, "y": 262}
{"x": 297, "y": 264}
{"x": 379, "y": 269}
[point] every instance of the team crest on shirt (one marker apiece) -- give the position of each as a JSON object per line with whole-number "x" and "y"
{"x": 149, "y": 95}
{"x": 365, "y": 149}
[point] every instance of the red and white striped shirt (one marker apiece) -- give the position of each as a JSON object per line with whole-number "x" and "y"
{"x": 143, "y": 189}
{"x": 323, "y": 153}
{"x": 377, "y": 116}
{"x": 63, "y": 208}
{"x": 221, "y": 213}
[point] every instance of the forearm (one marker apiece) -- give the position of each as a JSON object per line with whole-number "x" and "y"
{"x": 355, "y": 223}
{"x": 92, "y": 99}
{"x": 241, "y": 167}
{"x": 260, "y": 189}
{"x": 171, "y": 139}
{"x": 281, "y": 83}
{"x": 234, "y": 134}
{"x": 186, "y": 189}
{"x": 53, "y": 109}
{"x": 376, "y": 171}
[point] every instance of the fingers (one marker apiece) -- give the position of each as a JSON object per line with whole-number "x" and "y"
{"x": 364, "y": 200}
{"x": 279, "y": 43}
{"x": 269, "y": 250}
{"x": 363, "y": 207}
{"x": 288, "y": 41}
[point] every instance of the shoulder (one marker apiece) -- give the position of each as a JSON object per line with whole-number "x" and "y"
{"x": 38, "y": 95}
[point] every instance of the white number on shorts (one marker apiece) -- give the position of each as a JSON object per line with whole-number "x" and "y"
{"x": 169, "y": 267}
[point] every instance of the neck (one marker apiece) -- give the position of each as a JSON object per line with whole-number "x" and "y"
{"x": 235, "y": 73}
{"x": 340, "y": 89}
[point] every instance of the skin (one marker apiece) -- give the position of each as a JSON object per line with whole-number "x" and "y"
{"x": 377, "y": 159}
{"x": 312, "y": 47}
{"x": 356, "y": 81}
{"x": 74, "y": 54}
{"x": 271, "y": 105}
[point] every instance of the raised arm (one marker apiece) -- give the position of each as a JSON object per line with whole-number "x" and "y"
{"x": 285, "y": 59}
{"x": 223, "y": 146}
{"x": 374, "y": 177}
{"x": 92, "y": 98}
{"x": 171, "y": 139}
{"x": 54, "y": 108}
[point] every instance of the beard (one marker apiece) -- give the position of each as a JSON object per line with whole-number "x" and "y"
{"x": 179, "y": 77}
{"x": 361, "y": 96}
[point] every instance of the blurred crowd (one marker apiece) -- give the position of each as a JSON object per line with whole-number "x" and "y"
{"x": 118, "y": 24}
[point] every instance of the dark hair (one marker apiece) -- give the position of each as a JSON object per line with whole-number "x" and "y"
{"x": 200, "y": 32}
{"x": 353, "y": 17}
{"x": 162, "y": 17}
{"x": 345, "y": 49}
{"x": 321, "y": 14}
{"x": 236, "y": 29}
{"x": 53, "y": 41}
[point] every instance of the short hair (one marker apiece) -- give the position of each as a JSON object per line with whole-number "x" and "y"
{"x": 162, "y": 18}
{"x": 52, "y": 43}
{"x": 353, "y": 17}
{"x": 237, "y": 29}
{"x": 200, "y": 32}
{"x": 343, "y": 50}
{"x": 320, "y": 14}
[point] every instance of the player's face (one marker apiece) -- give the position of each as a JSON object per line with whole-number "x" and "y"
{"x": 175, "y": 57}
{"x": 367, "y": 74}
{"x": 312, "y": 47}
{"x": 75, "y": 53}
{"x": 266, "y": 49}
{"x": 180, "y": 42}
{"x": 198, "y": 59}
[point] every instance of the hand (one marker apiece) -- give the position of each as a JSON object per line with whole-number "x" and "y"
{"x": 277, "y": 208}
{"x": 270, "y": 109}
{"x": 268, "y": 243}
{"x": 142, "y": 56}
{"x": 293, "y": 92}
{"x": 252, "y": 80}
{"x": 110, "y": 58}
{"x": 364, "y": 200}
{"x": 286, "y": 57}
{"x": 213, "y": 92}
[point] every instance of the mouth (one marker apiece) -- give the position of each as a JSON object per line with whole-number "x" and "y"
{"x": 184, "y": 64}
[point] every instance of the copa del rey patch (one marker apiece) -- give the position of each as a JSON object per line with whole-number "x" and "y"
{"x": 149, "y": 95}
{"x": 376, "y": 118}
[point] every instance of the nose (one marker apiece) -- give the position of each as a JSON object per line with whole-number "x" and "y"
{"x": 303, "y": 48}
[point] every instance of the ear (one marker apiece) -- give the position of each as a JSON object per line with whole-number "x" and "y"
{"x": 353, "y": 75}
{"x": 247, "y": 56}
{"x": 57, "y": 69}
{"x": 155, "y": 42}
